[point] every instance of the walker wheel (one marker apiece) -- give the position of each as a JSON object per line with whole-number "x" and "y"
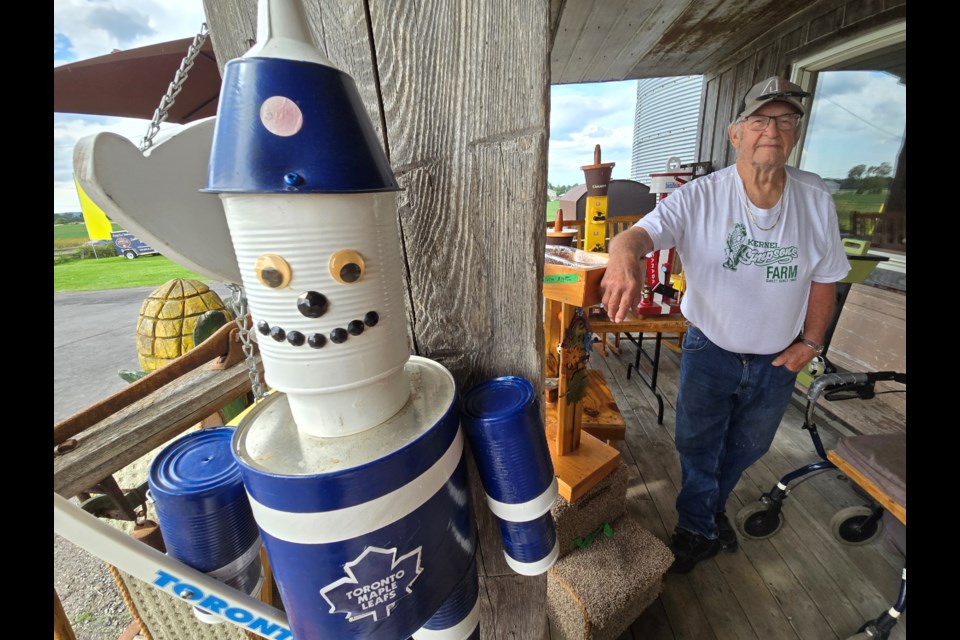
{"x": 754, "y": 522}
{"x": 848, "y": 527}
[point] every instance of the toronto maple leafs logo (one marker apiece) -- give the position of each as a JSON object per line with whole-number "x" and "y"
{"x": 376, "y": 582}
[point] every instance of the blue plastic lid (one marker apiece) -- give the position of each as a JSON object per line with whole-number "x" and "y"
{"x": 196, "y": 464}
{"x": 497, "y": 399}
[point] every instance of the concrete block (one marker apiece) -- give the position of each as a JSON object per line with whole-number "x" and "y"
{"x": 596, "y": 593}
{"x": 603, "y": 503}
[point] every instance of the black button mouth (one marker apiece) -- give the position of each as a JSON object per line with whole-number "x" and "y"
{"x": 313, "y": 339}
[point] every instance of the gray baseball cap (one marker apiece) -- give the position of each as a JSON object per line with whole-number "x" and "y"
{"x": 773, "y": 89}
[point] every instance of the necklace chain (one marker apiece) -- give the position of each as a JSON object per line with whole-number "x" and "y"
{"x": 746, "y": 205}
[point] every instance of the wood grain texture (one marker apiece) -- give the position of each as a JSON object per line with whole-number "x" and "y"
{"x": 509, "y": 615}
{"x": 600, "y": 416}
{"x": 125, "y": 436}
{"x": 467, "y": 131}
{"x": 811, "y": 587}
{"x": 233, "y": 28}
{"x": 626, "y": 42}
{"x": 466, "y": 127}
{"x": 601, "y": 23}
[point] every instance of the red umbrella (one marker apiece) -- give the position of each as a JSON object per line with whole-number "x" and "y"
{"x": 132, "y": 83}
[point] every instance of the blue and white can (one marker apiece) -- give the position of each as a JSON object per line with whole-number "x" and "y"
{"x": 203, "y": 512}
{"x": 367, "y": 534}
{"x": 503, "y": 422}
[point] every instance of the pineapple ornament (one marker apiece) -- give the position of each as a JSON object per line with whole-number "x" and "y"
{"x": 169, "y": 316}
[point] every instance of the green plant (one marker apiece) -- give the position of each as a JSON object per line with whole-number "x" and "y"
{"x": 96, "y": 251}
{"x": 82, "y": 617}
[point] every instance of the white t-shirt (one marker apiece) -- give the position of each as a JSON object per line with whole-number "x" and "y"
{"x": 747, "y": 288}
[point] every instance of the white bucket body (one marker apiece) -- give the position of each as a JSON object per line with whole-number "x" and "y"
{"x": 339, "y": 388}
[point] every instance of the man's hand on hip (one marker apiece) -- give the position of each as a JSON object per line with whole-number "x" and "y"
{"x": 795, "y": 357}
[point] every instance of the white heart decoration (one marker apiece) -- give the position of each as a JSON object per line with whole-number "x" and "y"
{"x": 156, "y": 195}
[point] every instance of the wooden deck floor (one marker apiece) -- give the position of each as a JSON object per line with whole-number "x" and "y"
{"x": 800, "y": 583}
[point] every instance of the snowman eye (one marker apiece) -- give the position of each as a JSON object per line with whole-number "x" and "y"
{"x": 273, "y": 271}
{"x": 346, "y": 266}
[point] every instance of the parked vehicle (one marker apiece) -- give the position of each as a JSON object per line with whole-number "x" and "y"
{"x": 130, "y": 247}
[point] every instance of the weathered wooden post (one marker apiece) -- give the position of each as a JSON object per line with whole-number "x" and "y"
{"x": 462, "y": 123}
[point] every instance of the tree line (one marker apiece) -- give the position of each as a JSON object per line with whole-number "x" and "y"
{"x": 864, "y": 179}
{"x": 67, "y": 218}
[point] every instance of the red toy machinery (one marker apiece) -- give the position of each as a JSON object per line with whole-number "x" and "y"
{"x": 659, "y": 295}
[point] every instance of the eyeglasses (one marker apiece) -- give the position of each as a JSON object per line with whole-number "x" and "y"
{"x": 786, "y": 122}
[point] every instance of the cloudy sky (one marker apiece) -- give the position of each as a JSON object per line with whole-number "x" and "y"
{"x": 582, "y": 115}
{"x": 84, "y": 29}
{"x": 857, "y": 128}
{"x": 858, "y": 117}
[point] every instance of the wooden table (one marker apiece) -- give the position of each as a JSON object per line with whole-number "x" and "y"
{"x": 673, "y": 323}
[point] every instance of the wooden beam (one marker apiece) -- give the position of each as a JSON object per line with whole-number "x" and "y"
{"x": 125, "y": 436}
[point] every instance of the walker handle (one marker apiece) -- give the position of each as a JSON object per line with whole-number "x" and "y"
{"x": 861, "y": 382}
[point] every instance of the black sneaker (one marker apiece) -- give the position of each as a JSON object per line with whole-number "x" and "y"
{"x": 728, "y": 535}
{"x": 689, "y": 549}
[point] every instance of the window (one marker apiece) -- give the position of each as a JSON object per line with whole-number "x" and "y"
{"x": 855, "y": 134}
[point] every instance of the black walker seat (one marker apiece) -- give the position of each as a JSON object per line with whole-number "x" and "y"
{"x": 876, "y": 464}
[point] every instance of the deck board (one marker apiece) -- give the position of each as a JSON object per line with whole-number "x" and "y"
{"x": 800, "y": 583}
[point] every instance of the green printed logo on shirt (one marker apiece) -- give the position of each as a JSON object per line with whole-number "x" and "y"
{"x": 741, "y": 250}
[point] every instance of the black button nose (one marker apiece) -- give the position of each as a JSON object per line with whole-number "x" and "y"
{"x": 312, "y": 304}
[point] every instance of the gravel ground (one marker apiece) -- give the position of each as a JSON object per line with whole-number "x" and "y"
{"x": 94, "y": 337}
{"x": 88, "y": 592}
{"x": 87, "y": 589}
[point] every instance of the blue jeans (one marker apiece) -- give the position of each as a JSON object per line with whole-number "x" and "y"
{"x": 729, "y": 406}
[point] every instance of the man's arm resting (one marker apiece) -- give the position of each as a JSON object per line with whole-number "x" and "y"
{"x": 820, "y": 306}
{"x": 622, "y": 282}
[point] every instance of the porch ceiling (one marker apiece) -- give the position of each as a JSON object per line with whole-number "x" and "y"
{"x": 604, "y": 40}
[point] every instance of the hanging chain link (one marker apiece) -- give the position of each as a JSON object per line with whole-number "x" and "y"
{"x": 246, "y": 343}
{"x": 174, "y": 89}
{"x": 239, "y": 300}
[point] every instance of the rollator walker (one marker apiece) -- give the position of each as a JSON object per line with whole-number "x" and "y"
{"x": 876, "y": 464}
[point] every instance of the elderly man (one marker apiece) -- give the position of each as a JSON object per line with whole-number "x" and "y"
{"x": 761, "y": 251}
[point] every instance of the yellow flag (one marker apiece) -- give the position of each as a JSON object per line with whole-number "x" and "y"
{"x": 98, "y": 226}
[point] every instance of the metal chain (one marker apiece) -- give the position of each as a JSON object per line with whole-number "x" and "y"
{"x": 174, "y": 89}
{"x": 246, "y": 343}
{"x": 239, "y": 300}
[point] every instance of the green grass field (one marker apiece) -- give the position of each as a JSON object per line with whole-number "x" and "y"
{"x": 74, "y": 231}
{"x": 848, "y": 202}
{"x": 117, "y": 273}
{"x": 72, "y": 235}
{"x": 552, "y": 207}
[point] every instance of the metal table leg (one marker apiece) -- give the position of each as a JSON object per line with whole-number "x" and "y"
{"x": 655, "y": 362}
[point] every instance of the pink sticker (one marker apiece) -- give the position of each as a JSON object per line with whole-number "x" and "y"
{"x": 281, "y": 116}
